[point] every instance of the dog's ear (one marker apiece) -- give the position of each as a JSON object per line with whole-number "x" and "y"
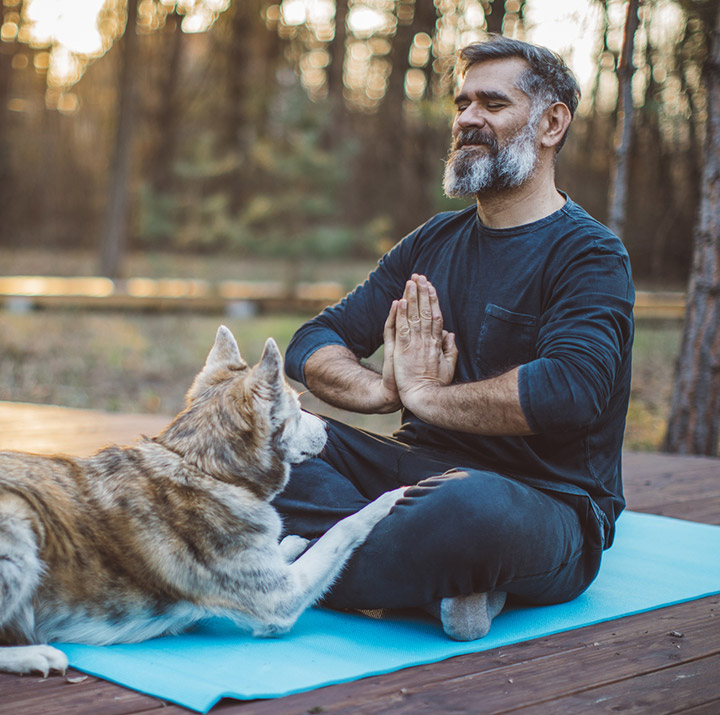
{"x": 225, "y": 352}
{"x": 268, "y": 373}
{"x": 224, "y": 355}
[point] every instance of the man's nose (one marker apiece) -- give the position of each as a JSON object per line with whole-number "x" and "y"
{"x": 470, "y": 117}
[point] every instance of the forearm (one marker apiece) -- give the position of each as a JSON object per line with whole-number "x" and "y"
{"x": 488, "y": 407}
{"x": 334, "y": 374}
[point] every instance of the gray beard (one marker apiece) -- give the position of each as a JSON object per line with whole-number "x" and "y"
{"x": 470, "y": 170}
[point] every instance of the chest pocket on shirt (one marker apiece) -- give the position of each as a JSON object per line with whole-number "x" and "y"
{"x": 506, "y": 340}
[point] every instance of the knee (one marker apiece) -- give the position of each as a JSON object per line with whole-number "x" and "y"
{"x": 475, "y": 510}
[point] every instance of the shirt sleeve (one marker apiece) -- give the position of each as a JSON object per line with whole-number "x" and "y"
{"x": 357, "y": 321}
{"x": 585, "y": 335}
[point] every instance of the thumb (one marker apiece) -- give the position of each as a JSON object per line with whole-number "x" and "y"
{"x": 389, "y": 328}
{"x": 449, "y": 347}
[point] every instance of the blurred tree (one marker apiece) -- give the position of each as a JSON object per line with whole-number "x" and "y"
{"x": 335, "y": 130}
{"x": 398, "y": 170}
{"x": 251, "y": 56}
{"x": 219, "y": 127}
{"x": 694, "y": 424}
{"x": 167, "y": 111}
{"x": 617, "y": 208}
{"x": 114, "y": 238}
{"x": 7, "y": 44}
{"x": 494, "y": 15}
{"x": 9, "y": 26}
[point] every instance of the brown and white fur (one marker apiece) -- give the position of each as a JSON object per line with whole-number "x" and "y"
{"x": 136, "y": 542}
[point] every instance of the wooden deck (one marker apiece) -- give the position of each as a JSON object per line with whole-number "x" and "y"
{"x": 664, "y": 661}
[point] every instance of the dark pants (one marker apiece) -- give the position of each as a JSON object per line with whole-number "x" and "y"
{"x": 459, "y": 530}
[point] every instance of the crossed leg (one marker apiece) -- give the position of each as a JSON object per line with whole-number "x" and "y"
{"x": 458, "y": 532}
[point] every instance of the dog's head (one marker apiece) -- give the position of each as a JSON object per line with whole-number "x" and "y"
{"x": 244, "y": 424}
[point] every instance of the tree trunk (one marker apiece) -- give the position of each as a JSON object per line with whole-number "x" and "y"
{"x": 7, "y": 50}
{"x": 251, "y": 56}
{"x": 114, "y": 241}
{"x": 494, "y": 15}
{"x": 168, "y": 115}
{"x": 391, "y": 149}
{"x": 334, "y": 132}
{"x": 693, "y": 427}
{"x": 617, "y": 205}
{"x": 336, "y": 49}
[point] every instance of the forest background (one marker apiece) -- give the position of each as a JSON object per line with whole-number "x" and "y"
{"x": 302, "y": 138}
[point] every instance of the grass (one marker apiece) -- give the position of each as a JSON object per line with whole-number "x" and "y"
{"x": 145, "y": 362}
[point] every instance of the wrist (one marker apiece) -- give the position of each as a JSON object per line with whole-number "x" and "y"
{"x": 420, "y": 397}
{"x": 388, "y": 400}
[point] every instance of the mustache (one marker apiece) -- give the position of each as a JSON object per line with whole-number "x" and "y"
{"x": 474, "y": 136}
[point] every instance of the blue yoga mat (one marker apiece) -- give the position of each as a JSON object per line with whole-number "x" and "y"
{"x": 655, "y": 562}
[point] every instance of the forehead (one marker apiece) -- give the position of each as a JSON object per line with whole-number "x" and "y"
{"x": 495, "y": 77}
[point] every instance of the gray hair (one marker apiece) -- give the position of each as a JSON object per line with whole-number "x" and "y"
{"x": 547, "y": 79}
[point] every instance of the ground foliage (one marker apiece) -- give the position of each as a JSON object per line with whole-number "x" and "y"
{"x": 144, "y": 362}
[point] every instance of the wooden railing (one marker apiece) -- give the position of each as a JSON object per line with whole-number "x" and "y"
{"x": 24, "y": 293}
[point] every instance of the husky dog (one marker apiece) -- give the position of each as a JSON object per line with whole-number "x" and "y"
{"x": 136, "y": 542}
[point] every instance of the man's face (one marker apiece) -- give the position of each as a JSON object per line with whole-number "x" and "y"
{"x": 494, "y": 132}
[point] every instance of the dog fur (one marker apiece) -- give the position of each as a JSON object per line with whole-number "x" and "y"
{"x": 136, "y": 542}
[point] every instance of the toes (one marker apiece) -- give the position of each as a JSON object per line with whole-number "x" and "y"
{"x": 33, "y": 659}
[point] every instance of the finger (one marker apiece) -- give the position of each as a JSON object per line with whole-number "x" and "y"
{"x": 450, "y": 349}
{"x": 389, "y": 329}
{"x": 408, "y": 284}
{"x": 424, "y": 310}
{"x": 402, "y": 326}
{"x": 411, "y": 298}
{"x": 437, "y": 318}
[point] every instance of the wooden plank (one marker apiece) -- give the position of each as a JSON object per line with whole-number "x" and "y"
{"x": 653, "y": 480}
{"x": 46, "y": 429}
{"x": 651, "y": 464}
{"x": 660, "y": 304}
{"x": 660, "y": 693}
{"x": 706, "y": 511}
{"x": 88, "y": 292}
{"x": 711, "y": 708}
{"x": 22, "y": 293}
{"x": 55, "y": 695}
{"x": 524, "y": 673}
{"x": 644, "y": 636}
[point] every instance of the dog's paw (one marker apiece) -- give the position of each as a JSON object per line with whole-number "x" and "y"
{"x": 383, "y": 505}
{"x": 32, "y": 659}
{"x": 292, "y": 546}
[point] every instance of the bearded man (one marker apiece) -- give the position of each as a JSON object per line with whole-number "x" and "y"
{"x": 507, "y": 331}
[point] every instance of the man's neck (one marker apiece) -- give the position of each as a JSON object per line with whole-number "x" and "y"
{"x": 525, "y": 204}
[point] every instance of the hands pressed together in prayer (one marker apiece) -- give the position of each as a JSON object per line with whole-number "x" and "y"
{"x": 417, "y": 372}
{"x": 420, "y": 355}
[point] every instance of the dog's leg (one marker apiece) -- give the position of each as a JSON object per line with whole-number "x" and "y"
{"x": 314, "y": 572}
{"x": 292, "y": 546}
{"x": 20, "y": 573}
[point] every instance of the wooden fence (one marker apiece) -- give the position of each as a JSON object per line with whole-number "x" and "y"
{"x": 237, "y": 298}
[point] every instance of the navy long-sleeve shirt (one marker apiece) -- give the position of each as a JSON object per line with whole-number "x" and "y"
{"x": 554, "y": 297}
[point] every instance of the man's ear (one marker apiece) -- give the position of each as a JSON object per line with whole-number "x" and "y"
{"x": 554, "y": 125}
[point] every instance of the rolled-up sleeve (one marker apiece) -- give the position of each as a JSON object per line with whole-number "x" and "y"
{"x": 307, "y": 340}
{"x": 585, "y": 333}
